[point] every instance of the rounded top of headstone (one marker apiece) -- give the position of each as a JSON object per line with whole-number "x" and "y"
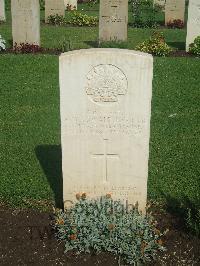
{"x": 106, "y": 50}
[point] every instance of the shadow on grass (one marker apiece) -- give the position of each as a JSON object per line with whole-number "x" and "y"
{"x": 187, "y": 212}
{"x": 178, "y": 45}
{"x": 50, "y": 159}
{"x": 93, "y": 44}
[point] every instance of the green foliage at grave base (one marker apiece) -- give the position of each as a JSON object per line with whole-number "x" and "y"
{"x": 65, "y": 45}
{"x": 105, "y": 225}
{"x": 57, "y": 20}
{"x": 75, "y": 18}
{"x": 26, "y": 48}
{"x": 80, "y": 19}
{"x": 156, "y": 45}
{"x": 195, "y": 47}
{"x": 175, "y": 24}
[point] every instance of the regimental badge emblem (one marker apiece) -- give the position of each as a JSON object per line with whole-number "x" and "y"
{"x": 106, "y": 83}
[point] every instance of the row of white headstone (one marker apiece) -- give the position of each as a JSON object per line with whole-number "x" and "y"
{"x": 175, "y": 10}
{"x": 112, "y": 22}
{"x": 52, "y": 7}
{"x": 26, "y": 19}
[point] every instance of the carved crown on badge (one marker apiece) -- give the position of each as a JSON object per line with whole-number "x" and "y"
{"x": 105, "y": 83}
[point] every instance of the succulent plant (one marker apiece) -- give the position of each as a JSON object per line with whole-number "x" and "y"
{"x": 104, "y": 225}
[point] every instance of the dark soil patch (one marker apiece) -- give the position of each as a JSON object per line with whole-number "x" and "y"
{"x": 26, "y": 238}
{"x": 181, "y": 53}
{"x": 50, "y": 51}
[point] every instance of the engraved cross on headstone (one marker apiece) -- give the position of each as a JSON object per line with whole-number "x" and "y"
{"x": 106, "y": 156}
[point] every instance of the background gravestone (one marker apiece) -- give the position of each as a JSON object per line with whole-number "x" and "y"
{"x": 25, "y": 21}
{"x": 72, "y": 3}
{"x": 2, "y": 11}
{"x": 113, "y": 19}
{"x": 54, "y": 7}
{"x": 105, "y": 97}
{"x": 160, "y": 3}
{"x": 174, "y": 9}
{"x": 193, "y": 24}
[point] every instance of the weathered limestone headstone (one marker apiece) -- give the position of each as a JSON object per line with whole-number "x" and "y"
{"x": 160, "y": 3}
{"x": 193, "y": 24}
{"x": 25, "y": 21}
{"x": 54, "y": 7}
{"x": 2, "y": 11}
{"x": 105, "y": 97}
{"x": 71, "y": 4}
{"x": 174, "y": 9}
{"x": 113, "y": 19}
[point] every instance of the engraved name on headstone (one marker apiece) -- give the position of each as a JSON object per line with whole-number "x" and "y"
{"x": 113, "y": 19}
{"x": 193, "y": 24}
{"x": 105, "y": 97}
{"x": 25, "y": 21}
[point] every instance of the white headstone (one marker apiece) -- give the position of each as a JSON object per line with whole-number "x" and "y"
{"x": 70, "y": 4}
{"x": 193, "y": 24}
{"x": 105, "y": 97}
{"x": 54, "y": 7}
{"x": 113, "y": 20}
{"x": 174, "y": 9}
{"x": 25, "y": 21}
{"x": 2, "y": 11}
{"x": 161, "y": 3}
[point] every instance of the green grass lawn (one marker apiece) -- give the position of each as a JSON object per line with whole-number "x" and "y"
{"x": 29, "y": 117}
{"x": 30, "y": 125}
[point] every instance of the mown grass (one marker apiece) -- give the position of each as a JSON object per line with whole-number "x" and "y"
{"x": 175, "y": 139}
{"x": 29, "y": 117}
